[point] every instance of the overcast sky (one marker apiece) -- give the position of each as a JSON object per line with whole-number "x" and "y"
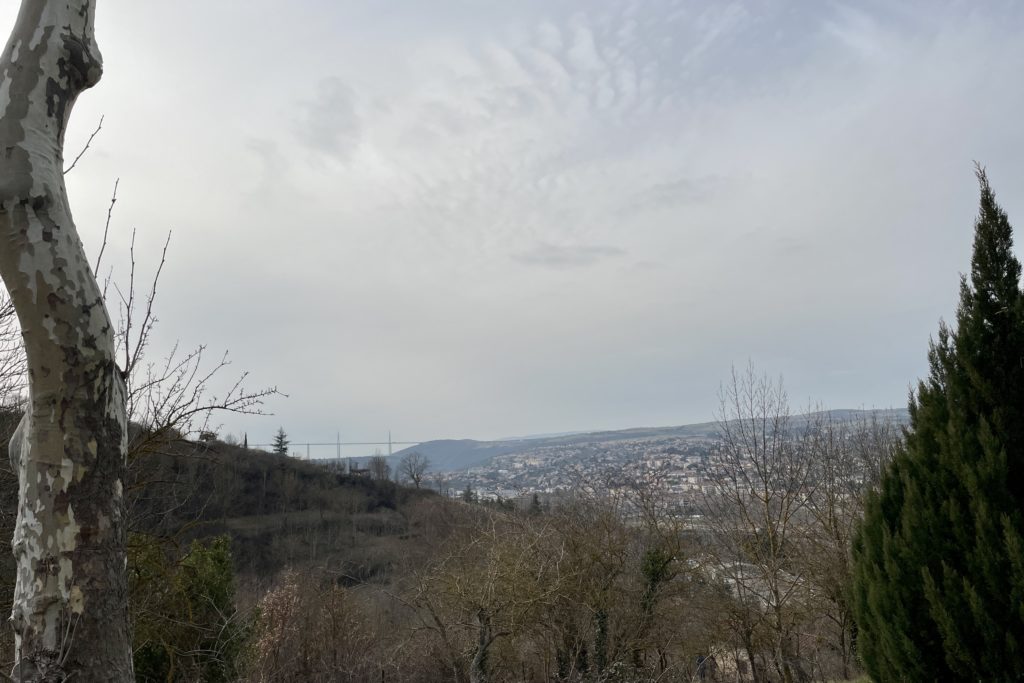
{"x": 470, "y": 218}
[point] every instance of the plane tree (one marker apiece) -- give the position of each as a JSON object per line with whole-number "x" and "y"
{"x": 70, "y": 612}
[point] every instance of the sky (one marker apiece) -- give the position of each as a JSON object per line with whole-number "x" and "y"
{"x": 480, "y": 219}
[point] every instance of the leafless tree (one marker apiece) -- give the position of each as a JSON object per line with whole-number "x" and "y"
{"x": 846, "y": 457}
{"x": 760, "y": 486}
{"x": 441, "y": 483}
{"x": 307, "y": 631}
{"x": 413, "y": 466}
{"x": 379, "y": 467}
{"x": 490, "y": 582}
{"x": 170, "y": 399}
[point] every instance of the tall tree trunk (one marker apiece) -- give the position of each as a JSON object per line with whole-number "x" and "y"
{"x": 478, "y": 670}
{"x": 756, "y": 673}
{"x": 70, "y": 603}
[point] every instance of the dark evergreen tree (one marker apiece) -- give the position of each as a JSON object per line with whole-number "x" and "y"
{"x": 938, "y": 588}
{"x": 281, "y": 442}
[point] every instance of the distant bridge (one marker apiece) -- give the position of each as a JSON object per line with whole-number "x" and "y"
{"x": 339, "y": 443}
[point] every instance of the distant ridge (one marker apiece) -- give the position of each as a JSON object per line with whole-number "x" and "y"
{"x": 452, "y": 455}
{"x": 530, "y": 437}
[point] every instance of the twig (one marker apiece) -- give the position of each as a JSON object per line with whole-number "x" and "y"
{"x": 84, "y": 149}
{"x": 106, "y": 230}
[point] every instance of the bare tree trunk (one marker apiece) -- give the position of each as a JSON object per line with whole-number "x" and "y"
{"x": 70, "y": 602}
{"x": 478, "y": 668}
{"x": 756, "y": 675}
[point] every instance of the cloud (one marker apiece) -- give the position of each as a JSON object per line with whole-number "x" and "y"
{"x": 681, "y": 192}
{"x": 560, "y": 257}
{"x": 583, "y": 54}
{"x": 857, "y": 31}
{"x": 549, "y": 36}
{"x": 273, "y": 165}
{"x": 330, "y": 125}
{"x": 545, "y": 178}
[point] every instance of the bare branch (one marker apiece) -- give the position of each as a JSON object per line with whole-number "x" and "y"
{"x": 85, "y": 149}
{"x": 106, "y": 230}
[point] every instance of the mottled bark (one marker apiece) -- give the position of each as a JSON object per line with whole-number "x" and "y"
{"x": 70, "y": 602}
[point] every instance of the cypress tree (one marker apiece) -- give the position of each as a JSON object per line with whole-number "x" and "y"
{"x": 938, "y": 589}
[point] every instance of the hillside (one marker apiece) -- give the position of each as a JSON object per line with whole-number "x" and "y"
{"x": 278, "y": 511}
{"x": 455, "y": 455}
